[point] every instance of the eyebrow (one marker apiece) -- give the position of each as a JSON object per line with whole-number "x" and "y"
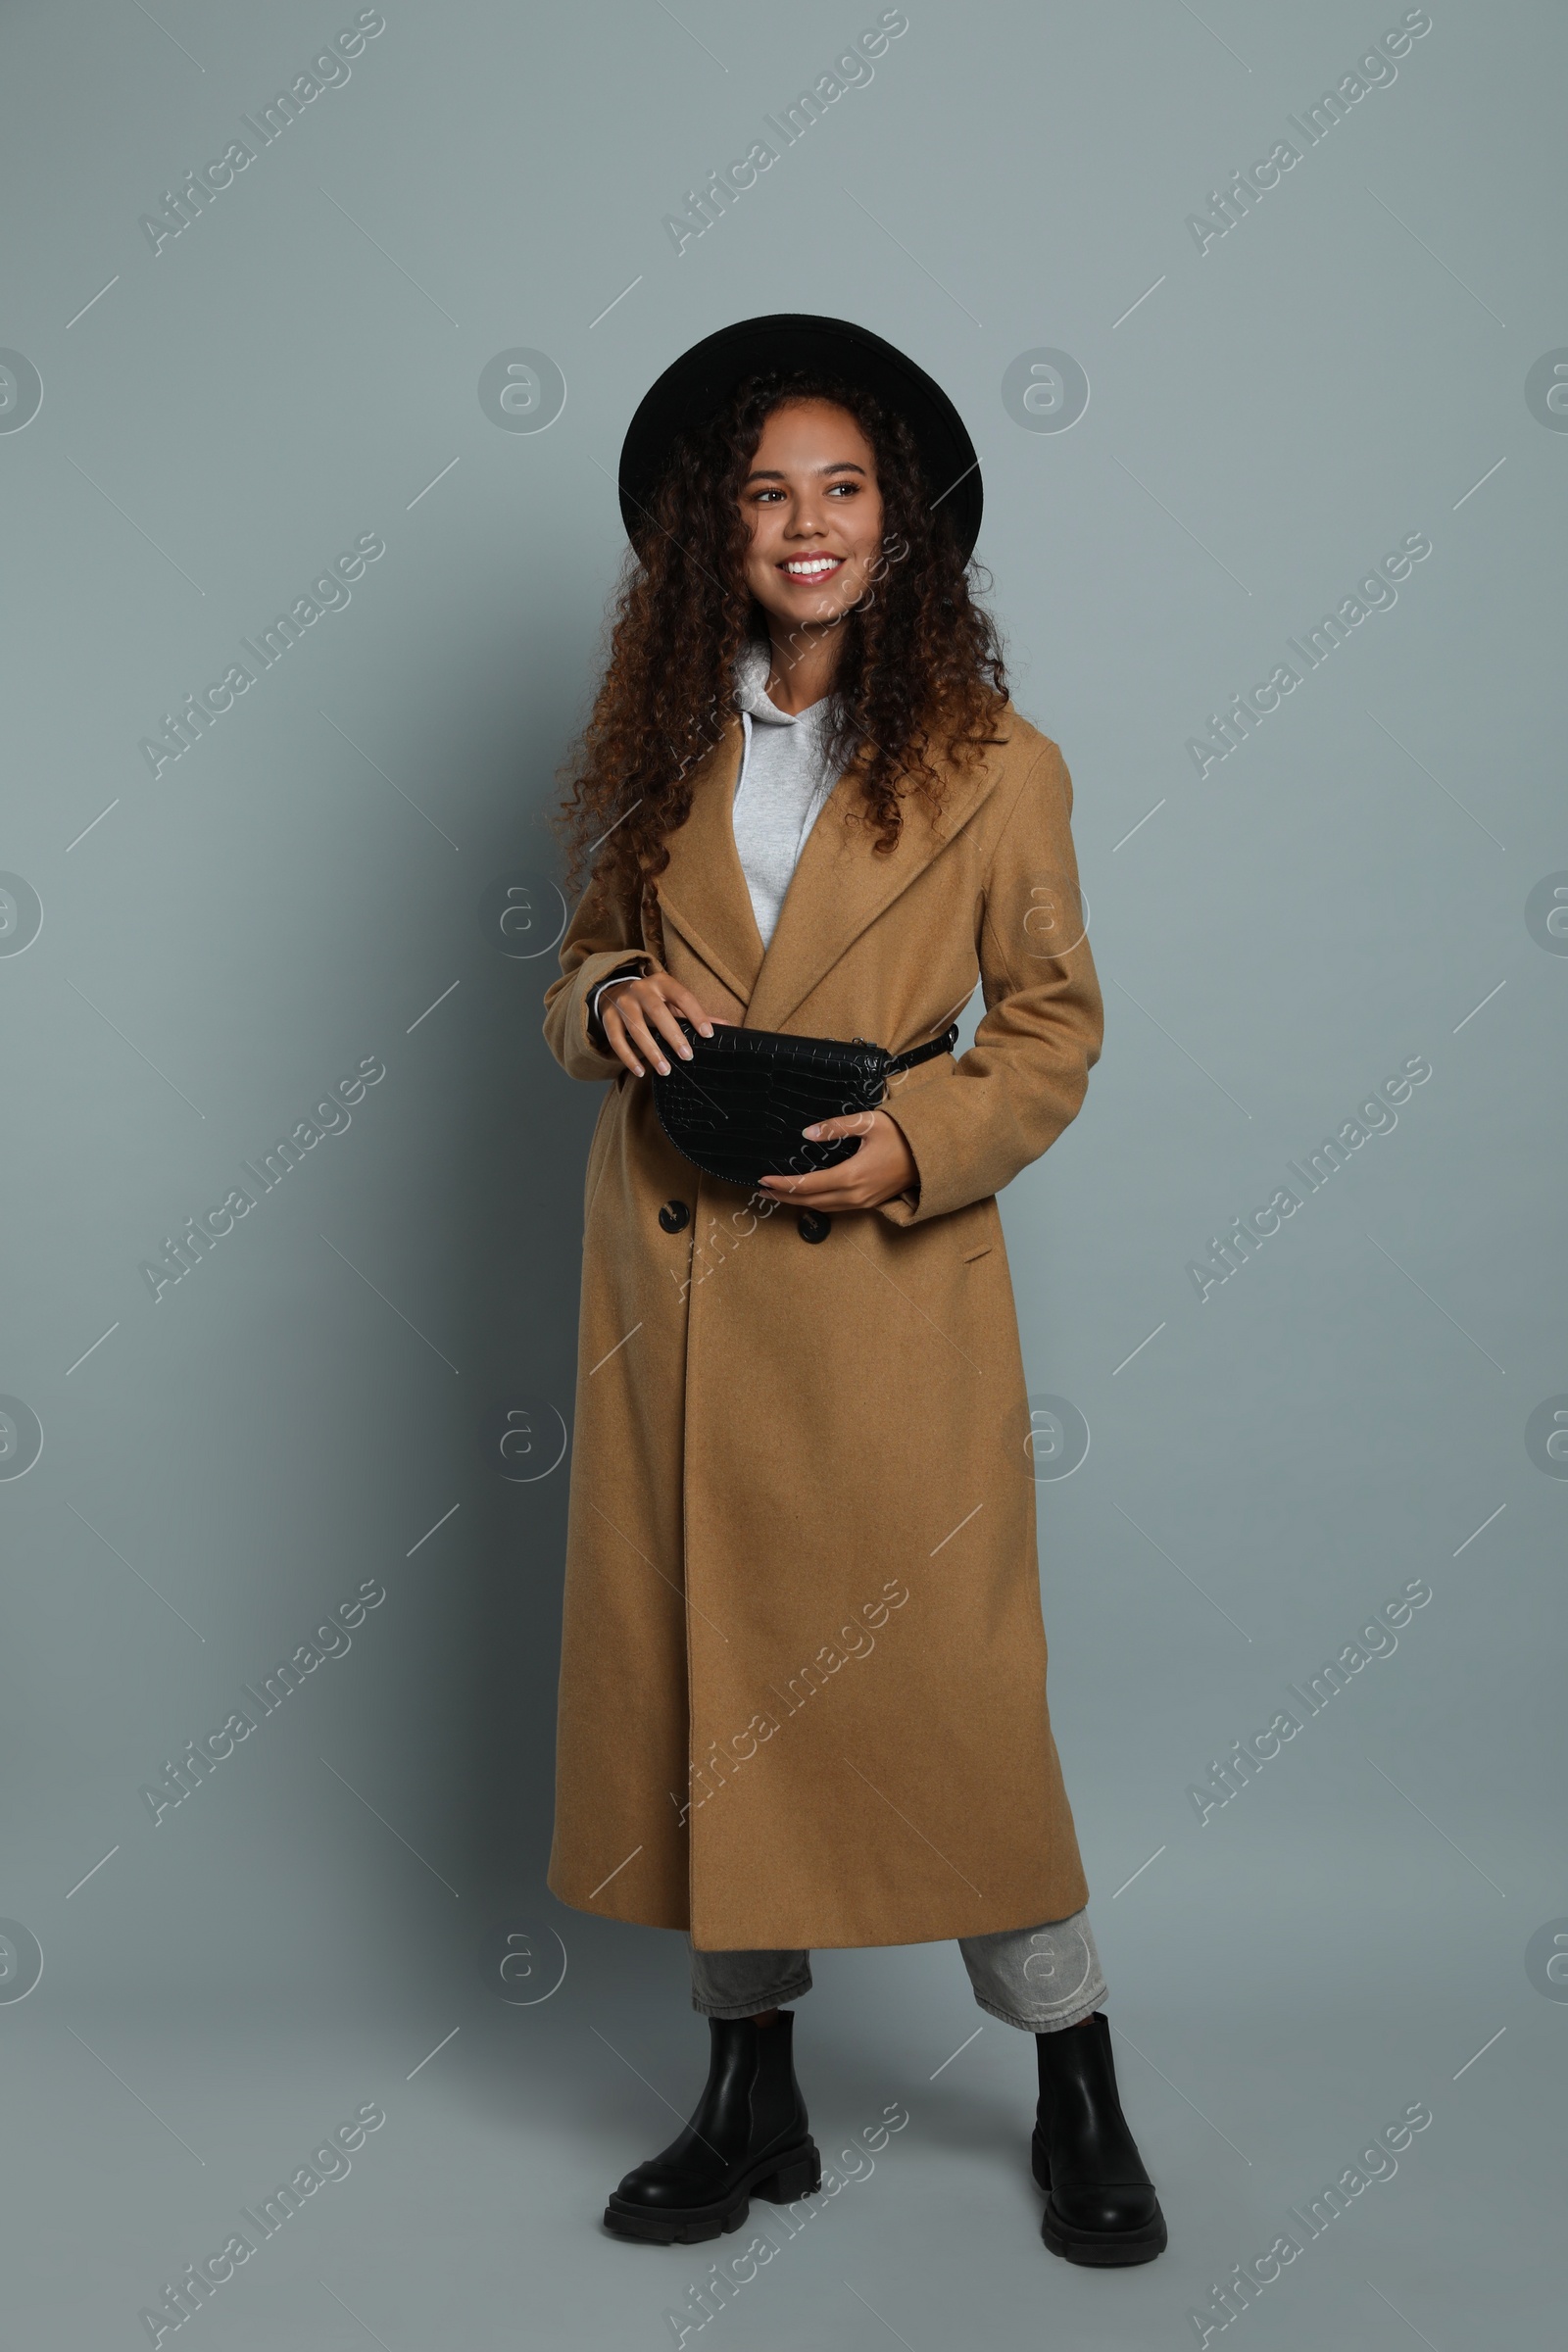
{"x": 771, "y": 474}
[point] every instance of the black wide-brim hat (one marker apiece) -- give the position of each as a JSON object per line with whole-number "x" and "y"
{"x": 694, "y": 388}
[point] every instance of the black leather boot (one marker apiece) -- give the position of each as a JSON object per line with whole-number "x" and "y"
{"x": 748, "y": 2137}
{"x": 1101, "y": 2205}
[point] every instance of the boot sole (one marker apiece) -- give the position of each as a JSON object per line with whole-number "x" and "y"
{"x": 778, "y": 2180}
{"x": 1104, "y": 2249}
{"x": 1099, "y": 2249}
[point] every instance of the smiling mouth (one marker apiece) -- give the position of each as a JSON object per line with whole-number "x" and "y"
{"x": 811, "y": 568}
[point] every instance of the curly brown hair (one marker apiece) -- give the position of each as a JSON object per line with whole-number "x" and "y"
{"x": 920, "y": 672}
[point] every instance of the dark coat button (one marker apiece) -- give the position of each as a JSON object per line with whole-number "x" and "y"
{"x": 814, "y": 1225}
{"x": 674, "y": 1216}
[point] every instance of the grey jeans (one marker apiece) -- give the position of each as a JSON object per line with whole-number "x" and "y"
{"x": 1039, "y": 1978}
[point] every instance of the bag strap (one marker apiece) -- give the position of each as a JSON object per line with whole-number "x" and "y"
{"x": 927, "y": 1052}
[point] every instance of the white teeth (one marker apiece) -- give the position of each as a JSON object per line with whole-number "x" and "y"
{"x": 810, "y": 564}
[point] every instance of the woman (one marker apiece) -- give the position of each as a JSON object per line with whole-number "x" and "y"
{"x": 803, "y": 1693}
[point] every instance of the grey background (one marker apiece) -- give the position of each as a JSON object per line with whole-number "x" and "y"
{"x": 305, "y": 885}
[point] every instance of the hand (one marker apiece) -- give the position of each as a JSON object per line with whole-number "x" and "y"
{"x": 642, "y": 1012}
{"x": 883, "y": 1167}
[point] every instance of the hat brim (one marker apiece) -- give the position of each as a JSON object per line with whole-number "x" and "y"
{"x": 694, "y": 388}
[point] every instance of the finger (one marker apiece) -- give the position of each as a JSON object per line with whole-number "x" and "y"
{"x": 863, "y": 1181}
{"x": 684, "y": 1001}
{"x": 643, "y": 1039}
{"x": 839, "y": 1173}
{"x": 810, "y": 1186}
{"x": 616, "y": 1038}
{"x": 834, "y": 1199}
{"x": 664, "y": 1017}
{"x": 827, "y": 1131}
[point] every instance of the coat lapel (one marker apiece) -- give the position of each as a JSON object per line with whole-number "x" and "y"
{"x": 839, "y": 887}
{"x": 702, "y": 891}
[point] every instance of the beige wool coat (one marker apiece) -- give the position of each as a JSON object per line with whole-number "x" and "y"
{"x": 802, "y": 1681}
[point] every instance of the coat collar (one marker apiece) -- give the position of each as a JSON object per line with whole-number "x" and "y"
{"x": 839, "y": 887}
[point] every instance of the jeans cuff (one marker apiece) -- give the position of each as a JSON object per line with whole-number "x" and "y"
{"x": 1055, "y": 2022}
{"x": 772, "y": 1999}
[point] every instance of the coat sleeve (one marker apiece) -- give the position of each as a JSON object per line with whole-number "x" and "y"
{"x": 601, "y": 940}
{"x": 1006, "y": 1102}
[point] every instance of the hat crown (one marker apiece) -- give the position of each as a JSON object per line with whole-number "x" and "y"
{"x": 698, "y": 384}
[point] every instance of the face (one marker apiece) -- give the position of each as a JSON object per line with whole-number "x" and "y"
{"x": 814, "y": 510}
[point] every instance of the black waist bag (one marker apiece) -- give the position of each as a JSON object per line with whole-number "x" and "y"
{"x": 736, "y": 1109}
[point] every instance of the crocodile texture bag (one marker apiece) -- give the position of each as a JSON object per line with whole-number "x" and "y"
{"x": 736, "y": 1109}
